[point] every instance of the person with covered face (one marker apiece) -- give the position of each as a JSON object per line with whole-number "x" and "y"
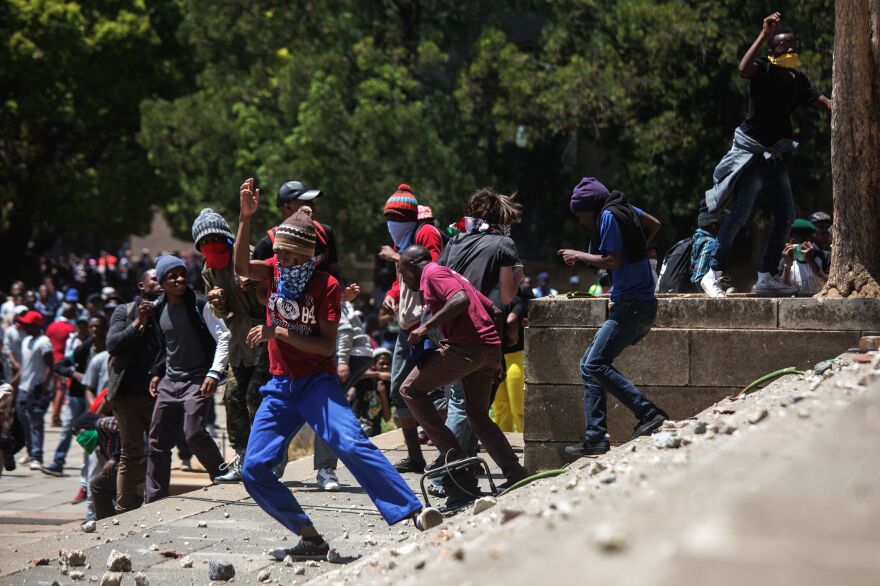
{"x": 303, "y": 311}
{"x": 755, "y": 165}
{"x": 405, "y": 228}
{"x": 235, "y": 301}
{"x": 621, "y": 233}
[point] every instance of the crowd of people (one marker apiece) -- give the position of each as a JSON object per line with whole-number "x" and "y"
{"x": 437, "y": 347}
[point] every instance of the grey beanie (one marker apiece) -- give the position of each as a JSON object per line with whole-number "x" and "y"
{"x": 210, "y": 222}
{"x": 165, "y": 263}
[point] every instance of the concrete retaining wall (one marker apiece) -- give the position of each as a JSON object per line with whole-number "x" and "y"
{"x": 699, "y": 351}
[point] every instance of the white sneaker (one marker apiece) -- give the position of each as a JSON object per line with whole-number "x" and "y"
{"x": 327, "y": 479}
{"x": 186, "y": 466}
{"x": 428, "y": 518}
{"x": 770, "y": 285}
{"x": 35, "y": 465}
{"x": 24, "y": 460}
{"x": 711, "y": 284}
{"x": 233, "y": 470}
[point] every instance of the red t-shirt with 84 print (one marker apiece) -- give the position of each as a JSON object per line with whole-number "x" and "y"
{"x": 321, "y": 301}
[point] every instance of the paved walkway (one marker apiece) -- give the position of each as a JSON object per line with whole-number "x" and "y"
{"x": 236, "y": 530}
{"x": 34, "y": 504}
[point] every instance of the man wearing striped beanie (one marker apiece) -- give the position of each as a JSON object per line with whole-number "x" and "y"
{"x": 402, "y": 215}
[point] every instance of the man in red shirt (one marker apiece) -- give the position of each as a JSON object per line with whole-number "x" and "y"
{"x": 302, "y": 318}
{"x": 58, "y": 332}
{"x": 470, "y": 352}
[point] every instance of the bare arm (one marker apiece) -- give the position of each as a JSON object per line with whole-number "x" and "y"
{"x": 256, "y": 270}
{"x": 612, "y": 260}
{"x": 454, "y": 307}
{"x": 324, "y": 344}
{"x": 823, "y": 103}
{"x": 511, "y": 329}
{"x": 747, "y": 66}
{"x": 650, "y": 226}
{"x": 507, "y": 284}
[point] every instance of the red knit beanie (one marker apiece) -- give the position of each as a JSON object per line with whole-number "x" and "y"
{"x": 402, "y": 205}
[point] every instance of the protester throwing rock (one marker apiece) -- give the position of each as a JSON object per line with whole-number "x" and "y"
{"x": 302, "y": 318}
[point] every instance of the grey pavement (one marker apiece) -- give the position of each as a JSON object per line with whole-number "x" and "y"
{"x": 237, "y": 530}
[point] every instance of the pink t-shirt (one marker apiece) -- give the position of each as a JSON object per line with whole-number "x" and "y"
{"x": 475, "y": 326}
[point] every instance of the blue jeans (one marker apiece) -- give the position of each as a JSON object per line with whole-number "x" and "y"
{"x": 627, "y": 323}
{"x": 75, "y": 407}
{"x": 771, "y": 182}
{"x": 318, "y": 401}
{"x": 457, "y": 421}
{"x": 31, "y": 407}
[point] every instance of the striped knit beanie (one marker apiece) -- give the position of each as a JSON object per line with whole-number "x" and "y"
{"x": 297, "y": 233}
{"x": 402, "y": 205}
{"x": 210, "y": 222}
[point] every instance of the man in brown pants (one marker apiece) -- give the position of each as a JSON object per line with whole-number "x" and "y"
{"x": 133, "y": 345}
{"x": 471, "y": 352}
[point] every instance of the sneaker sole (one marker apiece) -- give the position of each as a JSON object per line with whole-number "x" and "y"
{"x": 430, "y": 518}
{"x": 52, "y": 473}
{"x": 330, "y": 488}
{"x": 224, "y": 481}
{"x": 582, "y": 454}
{"x": 648, "y": 430}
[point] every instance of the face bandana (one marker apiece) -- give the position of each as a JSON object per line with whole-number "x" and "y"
{"x": 292, "y": 281}
{"x": 88, "y": 439}
{"x": 217, "y": 255}
{"x": 401, "y": 233}
{"x": 786, "y": 60}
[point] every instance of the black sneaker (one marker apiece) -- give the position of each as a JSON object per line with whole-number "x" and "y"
{"x": 649, "y": 424}
{"x": 314, "y": 548}
{"x": 589, "y": 448}
{"x": 407, "y": 465}
{"x": 461, "y": 488}
{"x": 8, "y": 460}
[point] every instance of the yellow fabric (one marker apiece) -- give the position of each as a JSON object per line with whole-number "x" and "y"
{"x": 509, "y": 402}
{"x": 787, "y": 60}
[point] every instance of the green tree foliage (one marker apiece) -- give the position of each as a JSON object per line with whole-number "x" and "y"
{"x": 356, "y": 96}
{"x": 73, "y": 75}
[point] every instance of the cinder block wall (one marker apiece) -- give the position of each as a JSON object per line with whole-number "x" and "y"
{"x": 699, "y": 351}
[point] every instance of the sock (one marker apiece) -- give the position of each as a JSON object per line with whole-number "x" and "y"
{"x": 413, "y": 447}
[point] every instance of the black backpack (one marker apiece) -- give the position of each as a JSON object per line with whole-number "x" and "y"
{"x": 675, "y": 273}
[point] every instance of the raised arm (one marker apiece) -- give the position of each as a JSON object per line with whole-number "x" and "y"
{"x": 256, "y": 270}
{"x": 747, "y": 66}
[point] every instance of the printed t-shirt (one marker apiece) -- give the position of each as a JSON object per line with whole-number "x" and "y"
{"x": 321, "y": 301}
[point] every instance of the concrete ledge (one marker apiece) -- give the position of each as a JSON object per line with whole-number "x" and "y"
{"x": 734, "y": 358}
{"x": 555, "y": 413}
{"x": 553, "y": 356}
{"x": 829, "y": 314}
{"x": 562, "y": 312}
{"x": 545, "y": 455}
{"x": 703, "y": 312}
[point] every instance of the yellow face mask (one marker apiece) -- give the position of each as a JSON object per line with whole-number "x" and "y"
{"x": 787, "y": 60}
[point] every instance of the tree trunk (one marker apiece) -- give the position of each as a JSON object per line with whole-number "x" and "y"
{"x": 855, "y": 151}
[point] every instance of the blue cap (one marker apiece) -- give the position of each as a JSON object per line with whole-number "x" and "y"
{"x": 71, "y": 295}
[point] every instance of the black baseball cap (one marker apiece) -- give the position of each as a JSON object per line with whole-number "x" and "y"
{"x": 294, "y": 190}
